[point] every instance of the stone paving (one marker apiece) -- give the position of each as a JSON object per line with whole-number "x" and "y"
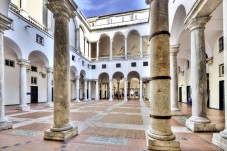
{"x": 102, "y": 126}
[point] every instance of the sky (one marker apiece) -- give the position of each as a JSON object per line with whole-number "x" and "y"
{"x": 91, "y": 8}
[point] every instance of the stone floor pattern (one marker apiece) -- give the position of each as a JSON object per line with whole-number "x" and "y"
{"x": 103, "y": 126}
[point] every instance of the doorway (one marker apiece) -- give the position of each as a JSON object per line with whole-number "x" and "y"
{"x": 180, "y": 94}
{"x": 34, "y": 94}
{"x": 221, "y": 95}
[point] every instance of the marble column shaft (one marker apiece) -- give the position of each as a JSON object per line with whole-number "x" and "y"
{"x": 174, "y": 49}
{"x": 89, "y": 90}
{"x": 49, "y": 87}
{"x": 141, "y": 89}
{"x": 62, "y": 128}
{"x": 23, "y": 85}
{"x": 126, "y": 48}
{"x": 125, "y": 90}
{"x": 97, "y": 90}
{"x": 85, "y": 89}
{"x": 111, "y": 87}
{"x": 160, "y": 136}
{"x": 78, "y": 89}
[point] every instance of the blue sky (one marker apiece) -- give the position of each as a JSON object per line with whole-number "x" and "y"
{"x": 92, "y": 8}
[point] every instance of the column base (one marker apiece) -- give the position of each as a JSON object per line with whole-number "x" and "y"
{"x": 77, "y": 101}
{"x": 141, "y": 100}
{"x": 125, "y": 100}
{"x": 111, "y": 99}
{"x": 6, "y": 125}
{"x": 164, "y": 145}
{"x": 176, "y": 112}
{"x": 50, "y": 104}
{"x": 61, "y": 135}
{"x": 24, "y": 108}
{"x": 96, "y": 99}
{"x": 200, "y": 126}
{"x": 219, "y": 141}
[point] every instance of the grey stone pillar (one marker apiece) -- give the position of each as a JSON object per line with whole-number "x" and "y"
{"x": 97, "y": 90}
{"x": 220, "y": 139}
{"x": 199, "y": 121}
{"x": 174, "y": 49}
{"x": 160, "y": 135}
{"x": 23, "y": 85}
{"x": 111, "y": 91}
{"x": 125, "y": 89}
{"x": 85, "y": 89}
{"x": 62, "y": 128}
{"x": 141, "y": 89}
{"x": 77, "y": 89}
{"x": 49, "y": 87}
{"x": 4, "y": 25}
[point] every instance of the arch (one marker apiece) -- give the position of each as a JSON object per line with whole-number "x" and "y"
{"x": 37, "y": 55}
{"x": 104, "y": 77}
{"x": 118, "y": 44}
{"x": 104, "y": 35}
{"x": 74, "y": 69}
{"x": 83, "y": 73}
{"x": 133, "y": 74}
{"x": 177, "y": 26}
{"x": 118, "y": 76}
{"x": 133, "y": 43}
{"x": 131, "y": 31}
{"x": 104, "y": 45}
{"x": 10, "y": 44}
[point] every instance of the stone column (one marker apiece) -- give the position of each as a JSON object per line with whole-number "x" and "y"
{"x": 111, "y": 91}
{"x": 85, "y": 45}
{"x": 141, "y": 47}
{"x": 23, "y": 85}
{"x": 118, "y": 89}
{"x": 111, "y": 47}
{"x": 129, "y": 90}
{"x": 49, "y": 87}
{"x": 89, "y": 50}
{"x": 174, "y": 49}
{"x": 4, "y": 25}
{"x": 221, "y": 139}
{"x": 125, "y": 89}
{"x": 199, "y": 121}
{"x": 89, "y": 90}
{"x": 97, "y": 51}
{"x": 126, "y": 48}
{"x": 85, "y": 89}
{"x": 77, "y": 89}
{"x": 62, "y": 128}
{"x": 160, "y": 135}
{"x": 77, "y": 38}
{"x": 141, "y": 89}
{"x": 97, "y": 90}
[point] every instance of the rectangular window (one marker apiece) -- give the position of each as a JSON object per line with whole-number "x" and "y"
{"x": 103, "y": 66}
{"x": 73, "y": 57}
{"x": 118, "y": 65}
{"x": 93, "y": 67}
{"x": 221, "y": 70}
{"x": 133, "y": 64}
{"x": 82, "y": 63}
{"x": 145, "y": 63}
{"x": 9, "y": 63}
{"x": 39, "y": 39}
{"x": 33, "y": 80}
{"x": 33, "y": 68}
{"x": 221, "y": 44}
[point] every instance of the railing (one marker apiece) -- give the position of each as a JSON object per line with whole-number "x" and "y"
{"x": 133, "y": 57}
{"x": 118, "y": 57}
{"x": 14, "y": 8}
{"x": 104, "y": 58}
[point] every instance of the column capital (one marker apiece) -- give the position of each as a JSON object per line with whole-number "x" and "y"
{"x": 23, "y": 62}
{"x": 49, "y": 69}
{"x": 77, "y": 77}
{"x": 174, "y": 49}
{"x": 5, "y": 23}
{"x": 66, "y": 7}
{"x": 198, "y": 22}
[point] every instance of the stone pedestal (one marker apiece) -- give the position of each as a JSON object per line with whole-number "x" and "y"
{"x": 4, "y": 25}
{"x": 199, "y": 120}
{"x": 219, "y": 141}
{"x": 160, "y": 135}
{"x": 62, "y": 128}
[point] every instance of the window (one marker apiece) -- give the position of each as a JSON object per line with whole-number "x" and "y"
{"x": 10, "y": 63}
{"x": 33, "y": 80}
{"x": 34, "y": 68}
{"x": 188, "y": 64}
{"x": 133, "y": 64}
{"x": 118, "y": 65}
{"x": 221, "y": 70}
{"x": 221, "y": 44}
{"x": 145, "y": 63}
{"x": 103, "y": 66}
{"x": 82, "y": 63}
{"x": 73, "y": 57}
{"x": 39, "y": 39}
{"x": 93, "y": 67}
